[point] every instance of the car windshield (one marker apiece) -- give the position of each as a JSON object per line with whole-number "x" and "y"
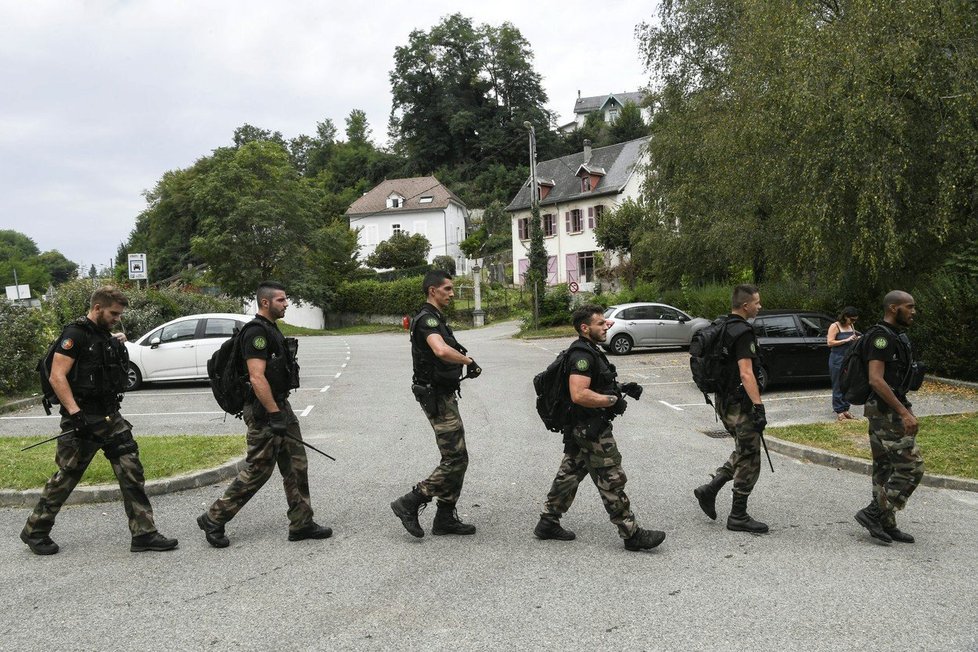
{"x": 610, "y": 311}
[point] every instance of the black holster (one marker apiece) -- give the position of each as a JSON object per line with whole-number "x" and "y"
{"x": 428, "y": 399}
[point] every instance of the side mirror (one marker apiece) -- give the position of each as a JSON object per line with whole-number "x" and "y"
{"x": 155, "y": 342}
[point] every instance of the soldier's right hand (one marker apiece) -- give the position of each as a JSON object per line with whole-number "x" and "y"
{"x": 278, "y": 423}
{"x": 618, "y": 407}
{"x": 759, "y": 415}
{"x": 80, "y": 425}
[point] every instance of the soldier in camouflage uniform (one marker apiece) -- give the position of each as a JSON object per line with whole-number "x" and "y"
{"x": 897, "y": 463}
{"x": 589, "y": 445}
{"x": 438, "y": 360}
{"x": 742, "y": 413}
{"x": 88, "y": 374}
{"x": 273, "y": 435}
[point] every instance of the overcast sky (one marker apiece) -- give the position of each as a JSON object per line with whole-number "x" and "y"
{"x": 98, "y": 99}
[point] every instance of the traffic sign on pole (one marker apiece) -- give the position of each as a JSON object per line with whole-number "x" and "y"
{"x": 137, "y": 267}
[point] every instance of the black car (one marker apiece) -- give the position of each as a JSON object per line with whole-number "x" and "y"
{"x": 793, "y": 346}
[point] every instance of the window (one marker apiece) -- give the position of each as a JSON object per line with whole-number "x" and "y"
{"x": 598, "y": 212}
{"x": 815, "y": 325}
{"x": 777, "y": 326}
{"x": 395, "y": 201}
{"x": 586, "y": 183}
{"x": 549, "y": 225}
{"x": 395, "y": 229}
{"x": 585, "y": 266}
{"x": 183, "y": 330}
{"x": 523, "y": 227}
{"x": 574, "y": 221}
{"x": 668, "y": 314}
{"x": 219, "y": 327}
{"x": 426, "y": 200}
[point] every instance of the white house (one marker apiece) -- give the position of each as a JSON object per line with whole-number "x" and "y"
{"x": 609, "y": 106}
{"x": 575, "y": 191}
{"x": 418, "y": 205}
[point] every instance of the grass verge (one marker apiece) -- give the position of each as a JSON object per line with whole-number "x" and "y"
{"x": 360, "y": 329}
{"x": 548, "y": 332}
{"x": 949, "y": 443}
{"x": 162, "y": 457}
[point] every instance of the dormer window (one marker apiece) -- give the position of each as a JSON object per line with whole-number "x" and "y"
{"x": 586, "y": 183}
{"x": 426, "y": 200}
{"x": 395, "y": 201}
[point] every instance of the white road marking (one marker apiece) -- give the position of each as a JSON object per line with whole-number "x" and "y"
{"x": 343, "y": 366}
{"x": 142, "y": 394}
{"x": 674, "y": 407}
{"x": 306, "y": 412}
{"x": 766, "y": 400}
{"x": 337, "y": 374}
{"x": 324, "y": 389}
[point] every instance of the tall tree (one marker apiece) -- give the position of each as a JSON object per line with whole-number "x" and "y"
{"x": 400, "y": 251}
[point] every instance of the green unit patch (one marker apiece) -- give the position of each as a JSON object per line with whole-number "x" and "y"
{"x": 880, "y": 342}
{"x": 431, "y": 321}
{"x": 582, "y": 365}
{"x": 259, "y": 343}
{"x": 753, "y": 348}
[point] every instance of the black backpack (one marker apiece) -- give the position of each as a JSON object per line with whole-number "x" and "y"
{"x": 227, "y": 374}
{"x": 553, "y": 395}
{"x": 854, "y": 376}
{"x": 48, "y": 397}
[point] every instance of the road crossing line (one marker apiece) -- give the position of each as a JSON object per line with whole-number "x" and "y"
{"x": 306, "y": 412}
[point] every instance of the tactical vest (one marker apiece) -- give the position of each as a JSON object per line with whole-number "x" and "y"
{"x": 429, "y": 369}
{"x": 602, "y": 380}
{"x": 100, "y": 372}
{"x": 901, "y": 372}
{"x": 282, "y": 365}
{"x": 737, "y": 326}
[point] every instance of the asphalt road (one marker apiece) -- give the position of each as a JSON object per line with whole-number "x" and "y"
{"x": 816, "y": 582}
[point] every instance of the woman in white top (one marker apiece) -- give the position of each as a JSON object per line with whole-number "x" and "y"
{"x": 840, "y": 338}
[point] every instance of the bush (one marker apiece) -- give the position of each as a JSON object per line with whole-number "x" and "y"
{"x": 555, "y": 308}
{"x": 25, "y": 335}
{"x": 943, "y": 334}
{"x": 369, "y": 297}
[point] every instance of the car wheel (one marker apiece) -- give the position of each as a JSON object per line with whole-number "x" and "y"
{"x": 762, "y": 379}
{"x": 621, "y": 344}
{"x": 134, "y": 378}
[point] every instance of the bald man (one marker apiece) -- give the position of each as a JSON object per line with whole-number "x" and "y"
{"x": 897, "y": 463}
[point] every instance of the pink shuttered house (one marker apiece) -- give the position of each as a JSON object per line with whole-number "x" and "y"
{"x": 575, "y": 191}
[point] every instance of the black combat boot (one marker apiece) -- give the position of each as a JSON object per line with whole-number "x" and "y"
{"x": 152, "y": 541}
{"x": 549, "y": 528}
{"x": 407, "y": 507}
{"x": 644, "y": 539}
{"x": 311, "y": 531}
{"x": 870, "y": 518}
{"x": 213, "y": 532}
{"x": 39, "y": 544}
{"x": 706, "y": 494}
{"x": 740, "y": 521}
{"x": 446, "y": 521}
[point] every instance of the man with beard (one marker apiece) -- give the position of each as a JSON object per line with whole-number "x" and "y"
{"x": 88, "y": 375}
{"x": 273, "y": 429}
{"x": 589, "y": 445}
{"x": 897, "y": 463}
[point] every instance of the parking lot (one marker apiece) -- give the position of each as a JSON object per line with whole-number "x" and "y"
{"x": 815, "y": 582}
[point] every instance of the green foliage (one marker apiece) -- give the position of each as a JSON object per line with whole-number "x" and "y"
{"x": 445, "y": 263}
{"x": 19, "y": 253}
{"x": 615, "y": 229}
{"x": 944, "y": 331}
{"x": 25, "y": 336}
{"x": 371, "y": 297}
{"x": 629, "y": 125}
{"x": 555, "y": 306}
{"x": 400, "y": 251}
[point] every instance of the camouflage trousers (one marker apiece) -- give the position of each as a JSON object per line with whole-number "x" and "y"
{"x": 897, "y": 463}
{"x": 597, "y": 456}
{"x": 445, "y": 482}
{"x": 265, "y": 451}
{"x": 74, "y": 454}
{"x": 744, "y": 463}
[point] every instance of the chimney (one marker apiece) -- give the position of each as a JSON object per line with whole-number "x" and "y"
{"x": 587, "y": 151}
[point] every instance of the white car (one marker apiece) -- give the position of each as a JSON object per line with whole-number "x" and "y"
{"x": 649, "y": 324}
{"x": 180, "y": 349}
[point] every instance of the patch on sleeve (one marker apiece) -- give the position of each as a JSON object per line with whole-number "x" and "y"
{"x": 431, "y": 322}
{"x": 67, "y": 343}
{"x": 582, "y": 365}
{"x": 753, "y": 348}
{"x": 259, "y": 343}
{"x": 880, "y": 342}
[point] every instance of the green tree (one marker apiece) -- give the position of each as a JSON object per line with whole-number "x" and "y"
{"x": 357, "y": 128}
{"x": 58, "y": 267}
{"x": 616, "y": 228}
{"x": 629, "y": 125}
{"x": 400, "y": 251}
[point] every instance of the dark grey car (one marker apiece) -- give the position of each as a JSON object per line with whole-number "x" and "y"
{"x": 793, "y": 346}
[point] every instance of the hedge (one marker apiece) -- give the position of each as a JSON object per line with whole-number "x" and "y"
{"x": 370, "y": 297}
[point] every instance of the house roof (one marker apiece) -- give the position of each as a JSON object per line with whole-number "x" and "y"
{"x": 617, "y": 161}
{"x": 589, "y": 104}
{"x": 374, "y": 201}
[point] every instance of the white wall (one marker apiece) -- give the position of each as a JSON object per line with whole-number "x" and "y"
{"x": 306, "y": 315}
{"x": 444, "y": 228}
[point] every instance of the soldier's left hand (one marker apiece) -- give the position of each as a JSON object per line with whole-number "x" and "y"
{"x": 632, "y": 389}
{"x": 473, "y": 370}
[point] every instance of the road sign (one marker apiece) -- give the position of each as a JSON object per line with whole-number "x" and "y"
{"x": 573, "y": 287}
{"x": 18, "y": 292}
{"x": 137, "y": 267}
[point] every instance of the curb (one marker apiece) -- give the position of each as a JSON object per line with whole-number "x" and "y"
{"x": 107, "y": 493}
{"x": 22, "y": 403}
{"x": 856, "y": 465}
{"x": 952, "y": 381}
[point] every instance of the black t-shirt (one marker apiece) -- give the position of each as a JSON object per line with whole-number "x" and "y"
{"x": 77, "y": 340}
{"x": 888, "y": 345}
{"x": 591, "y": 362}
{"x": 742, "y": 344}
{"x": 261, "y": 343}
{"x": 428, "y": 323}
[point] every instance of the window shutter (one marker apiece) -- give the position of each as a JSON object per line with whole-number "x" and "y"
{"x": 571, "y": 260}
{"x": 551, "y": 270}
{"x": 567, "y": 222}
{"x": 590, "y": 217}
